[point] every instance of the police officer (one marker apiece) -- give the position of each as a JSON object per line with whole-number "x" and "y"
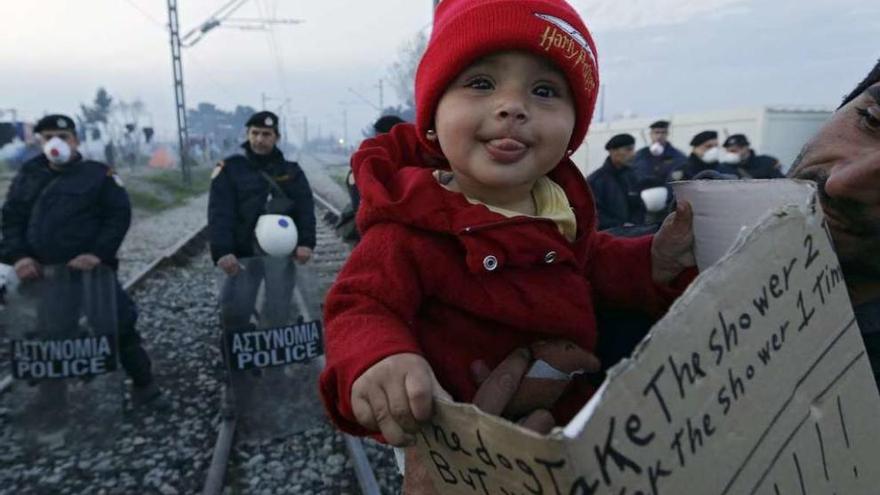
{"x": 62, "y": 208}
{"x": 750, "y": 165}
{"x": 703, "y": 161}
{"x": 615, "y": 187}
{"x": 653, "y": 163}
{"x": 246, "y": 186}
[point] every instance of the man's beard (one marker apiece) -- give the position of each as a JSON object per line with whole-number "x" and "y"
{"x": 856, "y": 234}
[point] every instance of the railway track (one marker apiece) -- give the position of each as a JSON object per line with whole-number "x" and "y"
{"x": 214, "y": 481}
{"x": 225, "y": 465}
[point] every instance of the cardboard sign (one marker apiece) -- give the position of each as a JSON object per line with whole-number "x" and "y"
{"x": 279, "y": 346}
{"x": 755, "y": 382}
{"x": 63, "y": 358}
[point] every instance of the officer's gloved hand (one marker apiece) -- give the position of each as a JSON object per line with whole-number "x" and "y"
{"x": 302, "y": 254}
{"x": 27, "y": 269}
{"x": 229, "y": 264}
{"x": 84, "y": 262}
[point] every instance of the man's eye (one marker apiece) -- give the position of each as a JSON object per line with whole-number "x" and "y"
{"x": 479, "y": 83}
{"x": 870, "y": 117}
{"x": 545, "y": 92}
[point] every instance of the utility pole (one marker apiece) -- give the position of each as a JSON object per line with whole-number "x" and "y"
{"x": 179, "y": 99}
{"x": 221, "y": 18}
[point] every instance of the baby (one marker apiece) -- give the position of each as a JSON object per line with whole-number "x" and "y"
{"x": 479, "y": 233}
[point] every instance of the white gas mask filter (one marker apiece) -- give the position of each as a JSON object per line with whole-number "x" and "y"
{"x": 57, "y": 150}
{"x": 712, "y": 155}
{"x": 656, "y": 149}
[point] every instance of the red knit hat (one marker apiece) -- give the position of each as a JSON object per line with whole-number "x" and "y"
{"x": 466, "y": 30}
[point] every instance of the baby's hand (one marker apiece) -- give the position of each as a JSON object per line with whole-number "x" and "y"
{"x": 394, "y": 395}
{"x": 673, "y": 248}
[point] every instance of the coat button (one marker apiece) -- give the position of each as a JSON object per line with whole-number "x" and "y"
{"x": 550, "y": 257}
{"x": 490, "y": 263}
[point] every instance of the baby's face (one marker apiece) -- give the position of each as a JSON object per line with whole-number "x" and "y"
{"x": 506, "y": 120}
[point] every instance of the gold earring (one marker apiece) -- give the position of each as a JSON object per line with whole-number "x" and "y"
{"x": 431, "y": 135}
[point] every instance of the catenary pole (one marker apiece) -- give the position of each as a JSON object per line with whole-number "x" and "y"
{"x": 179, "y": 97}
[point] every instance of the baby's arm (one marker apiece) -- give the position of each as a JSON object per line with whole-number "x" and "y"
{"x": 637, "y": 272}
{"x": 368, "y": 315}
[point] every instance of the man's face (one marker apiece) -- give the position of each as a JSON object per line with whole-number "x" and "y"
{"x": 262, "y": 139}
{"x": 660, "y": 136}
{"x": 701, "y": 149}
{"x": 844, "y": 160}
{"x": 622, "y": 157}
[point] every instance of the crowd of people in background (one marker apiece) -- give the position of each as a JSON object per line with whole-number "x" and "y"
{"x": 620, "y": 184}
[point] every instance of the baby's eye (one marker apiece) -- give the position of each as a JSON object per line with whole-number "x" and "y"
{"x": 870, "y": 117}
{"x": 482, "y": 83}
{"x": 545, "y": 91}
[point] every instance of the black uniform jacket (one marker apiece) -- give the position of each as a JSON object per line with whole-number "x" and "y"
{"x": 54, "y": 216}
{"x": 617, "y": 196}
{"x": 239, "y": 193}
{"x": 653, "y": 171}
{"x": 759, "y": 167}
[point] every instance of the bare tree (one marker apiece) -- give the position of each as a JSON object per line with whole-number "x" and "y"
{"x": 402, "y": 72}
{"x": 97, "y": 114}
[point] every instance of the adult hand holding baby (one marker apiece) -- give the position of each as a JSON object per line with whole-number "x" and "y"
{"x": 394, "y": 395}
{"x": 673, "y": 248}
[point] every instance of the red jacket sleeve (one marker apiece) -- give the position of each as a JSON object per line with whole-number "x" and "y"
{"x": 366, "y": 315}
{"x": 619, "y": 269}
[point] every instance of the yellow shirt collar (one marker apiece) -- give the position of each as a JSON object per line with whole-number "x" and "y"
{"x": 550, "y": 202}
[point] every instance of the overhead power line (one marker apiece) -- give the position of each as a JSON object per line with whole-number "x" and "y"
{"x": 146, "y": 14}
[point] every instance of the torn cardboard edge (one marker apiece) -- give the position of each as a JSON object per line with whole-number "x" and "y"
{"x": 471, "y": 452}
{"x": 809, "y": 207}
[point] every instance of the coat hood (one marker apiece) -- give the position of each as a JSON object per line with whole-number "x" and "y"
{"x": 394, "y": 175}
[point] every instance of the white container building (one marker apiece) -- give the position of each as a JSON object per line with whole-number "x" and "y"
{"x": 776, "y": 131}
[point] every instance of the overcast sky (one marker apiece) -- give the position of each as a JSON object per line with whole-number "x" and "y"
{"x": 656, "y": 56}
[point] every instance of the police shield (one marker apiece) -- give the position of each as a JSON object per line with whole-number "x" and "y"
{"x": 61, "y": 334}
{"x": 272, "y": 346}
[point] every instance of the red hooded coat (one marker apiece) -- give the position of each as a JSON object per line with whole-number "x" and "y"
{"x": 455, "y": 282}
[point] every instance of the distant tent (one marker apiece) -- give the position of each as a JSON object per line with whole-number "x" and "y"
{"x": 162, "y": 158}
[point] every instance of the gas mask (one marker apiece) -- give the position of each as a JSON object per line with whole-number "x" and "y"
{"x": 711, "y": 155}
{"x": 656, "y": 149}
{"x": 57, "y": 151}
{"x": 729, "y": 157}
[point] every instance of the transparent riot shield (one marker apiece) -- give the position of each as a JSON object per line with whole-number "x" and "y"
{"x": 272, "y": 346}
{"x": 62, "y": 337}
